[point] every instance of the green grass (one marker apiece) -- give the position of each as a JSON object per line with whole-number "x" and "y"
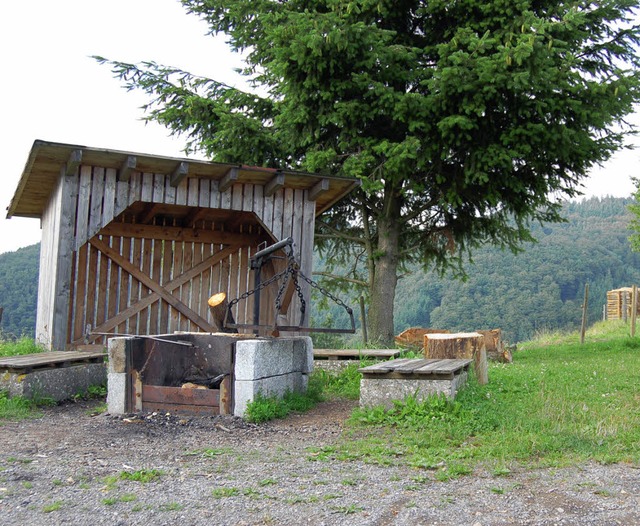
{"x": 558, "y": 403}
{"x": 17, "y": 407}
{"x": 23, "y": 345}
{"x": 264, "y": 408}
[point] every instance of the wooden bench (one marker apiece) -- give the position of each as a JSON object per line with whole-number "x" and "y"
{"x": 385, "y": 382}
{"x": 355, "y": 354}
{"x": 56, "y": 374}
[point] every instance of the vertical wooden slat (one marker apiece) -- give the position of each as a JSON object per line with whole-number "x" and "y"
{"x": 80, "y": 293}
{"x": 124, "y": 284}
{"x": 278, "y": 207}
{"x": 225, "y": 199}
{"x": 134, "y": 287}
{"x": 204, "y": 194}
{"x": 258, "y": 201}
{"x": 192, "y": 197}
{"x": 84, "y": 200}
{"x": 287, "y": 214}
{"x": 135, "y": 187}
{"x": 97, "y": 193}
{"x": 147, "y": 259}
{"x": 306, "y": 247}
{"x": 267, "y": 212}
{"x": 205, "y": 284}
{"x": 113, "y": 296}
{"x": 92, "y": 269}
{"x": 181, "y": 192}
{"x": 146, "y": 194}
{"x": 236, "y": 196}
{"x": 158, "y": 188}
{"x": 214, "y": 195}
{"x": 196, "y": 283}
{"x": 109, "y": 206}
{"x": 122, "y": 197}
{"x": 156, "y": 269}
{"x": 178, "y": 251}
{"x": 102, "y": 279}
{"x": 167, "y": 263}
{"x": 169, "y": 192}
{"x": 187, "y": 259}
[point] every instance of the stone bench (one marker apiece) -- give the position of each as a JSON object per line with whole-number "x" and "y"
{"x": 58, "y": 374}
{"x": 385, "y": 382}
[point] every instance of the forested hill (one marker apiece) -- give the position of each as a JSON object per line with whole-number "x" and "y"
{"x": 541, "y": 288}
{"x": 19, "y": 290}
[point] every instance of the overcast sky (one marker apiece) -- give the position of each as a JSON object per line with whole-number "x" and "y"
{"x": 51, "y": 90}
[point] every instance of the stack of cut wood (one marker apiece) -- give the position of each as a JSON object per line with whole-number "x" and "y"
{"x": 413, "y": 338}
{"x": 496, "y": 349}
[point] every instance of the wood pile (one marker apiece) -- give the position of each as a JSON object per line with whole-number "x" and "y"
{"x": 413, "y": 338}
{"x": 496, "y": 349}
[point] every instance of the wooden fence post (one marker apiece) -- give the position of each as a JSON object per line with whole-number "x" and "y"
{"x": 583, "y": 327}
{"x": 634, "y": 309}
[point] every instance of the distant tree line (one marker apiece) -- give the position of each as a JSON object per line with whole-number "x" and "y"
{"x": 538, "y": 289}
{"x": 19, "y": 291}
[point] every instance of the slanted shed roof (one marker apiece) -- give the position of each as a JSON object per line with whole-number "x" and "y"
{"x": 46, "y": 159}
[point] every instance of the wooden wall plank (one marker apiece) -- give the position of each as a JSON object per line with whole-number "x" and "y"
{"x": 109, "y": 206}
{"x": 214, "y": 195}
{"x": 158, "y": 188}
{"x": 236, "y": 196}
{"x": 193, "y": 192}
{"x": 205, "y": 283}
{"x": 122, "y": 197}
{"x": 278, "y": 207}
{"x": 102, "y": 279}
{"x": 135, "y": 188}
{"x": 146, "y": 194}
{"x": 84, "y": 201}
{"x": 196, "y": 284}
{"x": 95, "y": 209}
{"x": 167, "y": 261}
{"x": 124, "y": 284}
{"x": 134, "y": 286}
{"x": 187, "y": 260}
{"x": 80, "y": 293}
{"x": 156, "y": 275}
{"x": 204, "y": 194}
{"x": 147, "y": 258}
{"x": 90, "y": 306}
{"x": 169, "y": 192}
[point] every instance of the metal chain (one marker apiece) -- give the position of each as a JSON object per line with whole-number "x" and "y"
{"x": 325, "y": 292}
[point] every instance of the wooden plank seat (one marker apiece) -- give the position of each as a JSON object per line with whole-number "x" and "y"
{"x": 354, "y": 354}
{"x": 384, "y": 382}
{"x": 47, "y": 360}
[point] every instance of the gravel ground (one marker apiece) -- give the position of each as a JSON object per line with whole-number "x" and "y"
{"x": 66, "y": 468}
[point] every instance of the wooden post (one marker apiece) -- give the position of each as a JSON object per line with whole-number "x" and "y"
{"x": 459, "y": 345}
{"x": 624, "y": 306}
{"x": 363, "y": 320}
{"x": 583, "y": 327}
{"x": 634, "y": 310}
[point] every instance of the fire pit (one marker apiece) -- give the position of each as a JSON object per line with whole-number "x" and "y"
{"x": 198, "y": 373}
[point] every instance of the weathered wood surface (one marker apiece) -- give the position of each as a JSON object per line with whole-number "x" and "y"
{"x": 336, "y": 354}
{"x": 53, "y": 358}
{"x": 462, "y": 345}
{"x": 495, "y": 346}
{"x": 406, "y": 367}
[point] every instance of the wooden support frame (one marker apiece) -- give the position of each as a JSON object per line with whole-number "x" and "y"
{"x": 229, "y": 179}
{"x": 75, "y": 158}
{"x": 179, "y": 173}
{"x": 274, "y": 185}
{"x": 127, "y": 167}
{"x": 318, "y": 189}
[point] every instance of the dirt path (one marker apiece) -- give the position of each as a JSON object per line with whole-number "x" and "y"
{"x": 69, "y": 468}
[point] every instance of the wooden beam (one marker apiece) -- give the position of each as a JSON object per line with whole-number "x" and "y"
{"x": 274, "y": 185}
{"x": 171, "y": 233}
{"x": 169, "y": 287}
{"x": 115, "y": 256}
{"x": 147, "y": 215}
{"x": 229, "y": 179}
{"x": 179, "y": 173}
{"x": 127, "y": 167}
{"x": 75, "y": 158}
{"x": 318, "y": 189}
{"x": 193, "y": 216}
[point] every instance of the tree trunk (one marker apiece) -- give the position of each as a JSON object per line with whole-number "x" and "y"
{"x": 385, "y": 279}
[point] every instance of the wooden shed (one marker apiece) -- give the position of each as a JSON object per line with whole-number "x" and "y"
{"x": 619, "y": 303}
{"x": 135, "y": 243}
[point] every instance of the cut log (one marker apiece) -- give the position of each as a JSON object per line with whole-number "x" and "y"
{"x": 218, "y": 307}
{"x": 495, "y": 346}
{"x": 413, "y": 337}
{"x": 459, "y": 345}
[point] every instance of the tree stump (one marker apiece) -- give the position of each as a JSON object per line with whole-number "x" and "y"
{"x": 459, "y": 345}
{"x": 413, "y": 337}
{"x": 218, "y": 306}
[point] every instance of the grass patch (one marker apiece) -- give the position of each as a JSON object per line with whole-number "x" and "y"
{"x": 264, "y": 408}
{"x": 23, "y": 345}
{"x": 17, "y": 407}
{"x": 559, "y": 403}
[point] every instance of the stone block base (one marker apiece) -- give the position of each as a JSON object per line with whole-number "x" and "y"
{"x": 383, "y": 391}
{"x": 59, "y": 384}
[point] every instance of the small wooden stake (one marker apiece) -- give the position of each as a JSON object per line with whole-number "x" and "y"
{"x": 583, "y": 327}
{"x": 634, "y": 310}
